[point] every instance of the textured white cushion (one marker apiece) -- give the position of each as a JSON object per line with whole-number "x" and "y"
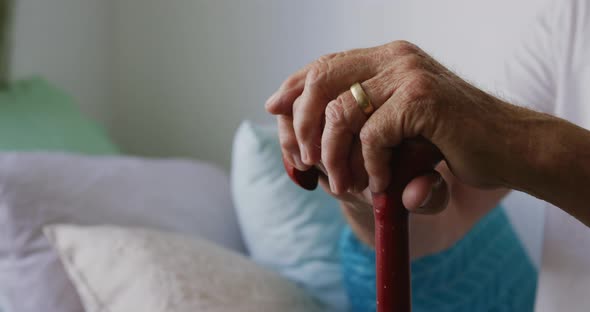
{"x": 38, "y": 189}
{"x": 130, "y": 269}
{"x": 286, "y": 228}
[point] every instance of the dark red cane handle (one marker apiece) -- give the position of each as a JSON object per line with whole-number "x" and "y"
{"x": 306, "y": 179}
{"x": 411, "y": 159}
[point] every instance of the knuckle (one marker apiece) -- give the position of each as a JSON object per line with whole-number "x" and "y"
{"x": 290, "y": 82}
{"x": 411, "y": 62}
{"x": 407, "y": 47}
{"x": 288, "y": 143}
{"x": 420, "y": 111}
{"x": 317, "y": 74}
{"x": 330, "y": 161}
{"x": 303, "y": 133}
{"x": 368, "y": 137}
{"x": 421, "y": 80}
{"x": 403, "y": 47}
{"x": 420, "y": 85}
{"x": 335, "y": 113}
{"x": 302, "y": 122}
{"x": 327, "y": 57}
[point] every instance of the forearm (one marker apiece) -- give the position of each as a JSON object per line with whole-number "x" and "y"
{"x": 558, "y": 170}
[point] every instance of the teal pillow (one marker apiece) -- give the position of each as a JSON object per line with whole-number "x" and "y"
{"x": 34, "y": 116}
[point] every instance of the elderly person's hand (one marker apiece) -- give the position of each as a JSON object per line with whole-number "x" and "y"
{"x": 414, "y": 96}
{"x": 320, "y": 123}
{"x": 485, "y": 142}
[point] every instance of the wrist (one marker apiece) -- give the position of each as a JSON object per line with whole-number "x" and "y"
{"x": 555, "y": 162}
{"x": 526, "y": 148}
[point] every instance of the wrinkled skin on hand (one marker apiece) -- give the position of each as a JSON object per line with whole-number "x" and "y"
{"x": 415, "y": 97}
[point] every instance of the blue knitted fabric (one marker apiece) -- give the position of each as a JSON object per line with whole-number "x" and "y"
{"x": 487, "y": 270}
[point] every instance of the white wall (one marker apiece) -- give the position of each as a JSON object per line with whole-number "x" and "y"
{"x": 69, "y": 42}
{"x": 189, "y": 71}
{"x": 471, "y": 37}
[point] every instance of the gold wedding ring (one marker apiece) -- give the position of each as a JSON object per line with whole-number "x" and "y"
{"x": 362, "y": 99}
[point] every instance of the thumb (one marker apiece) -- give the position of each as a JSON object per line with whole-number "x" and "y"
{"x": 427, "y": 194}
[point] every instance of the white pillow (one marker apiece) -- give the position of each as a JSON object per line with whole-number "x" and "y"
{"x": 40, "y": 188}
{"x": 290, "y": 230}
{"x": 121, "y": 270}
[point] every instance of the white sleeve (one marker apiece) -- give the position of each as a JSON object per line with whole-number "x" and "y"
{"x": 531, "y": 70}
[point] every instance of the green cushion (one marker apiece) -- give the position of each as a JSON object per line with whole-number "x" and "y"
{"x": 36, "y": 116}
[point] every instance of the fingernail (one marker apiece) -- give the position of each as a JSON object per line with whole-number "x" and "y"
{"x": 304, "y": 154}
{"x": 331, "y": 185}
{"x": 298, "y": 163}
{"x": 373, "y": 185}
{"x": 271, "y": 99}
{"x": 428, "y": 197}
{"x": 435, "y": 185}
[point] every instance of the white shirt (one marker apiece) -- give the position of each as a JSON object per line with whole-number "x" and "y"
{"x": 551, "y": 73}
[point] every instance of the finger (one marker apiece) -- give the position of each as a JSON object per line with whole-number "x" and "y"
{"x": 383, "y": 131}
{"x": 343, "y": 122}
{"x": 337, "y": 139}
{"x": 281, "y": 102}
{"x": 324, "y": 182}
{"x": 427, "y": 194}
{"x": 377, "y": 152}
{"x": 325, "y": 81}
{"x": 360, "y": 179}
{"x": 288, "y": 142}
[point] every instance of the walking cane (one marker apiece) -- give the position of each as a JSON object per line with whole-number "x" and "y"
{"x": 411, "y": 159}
